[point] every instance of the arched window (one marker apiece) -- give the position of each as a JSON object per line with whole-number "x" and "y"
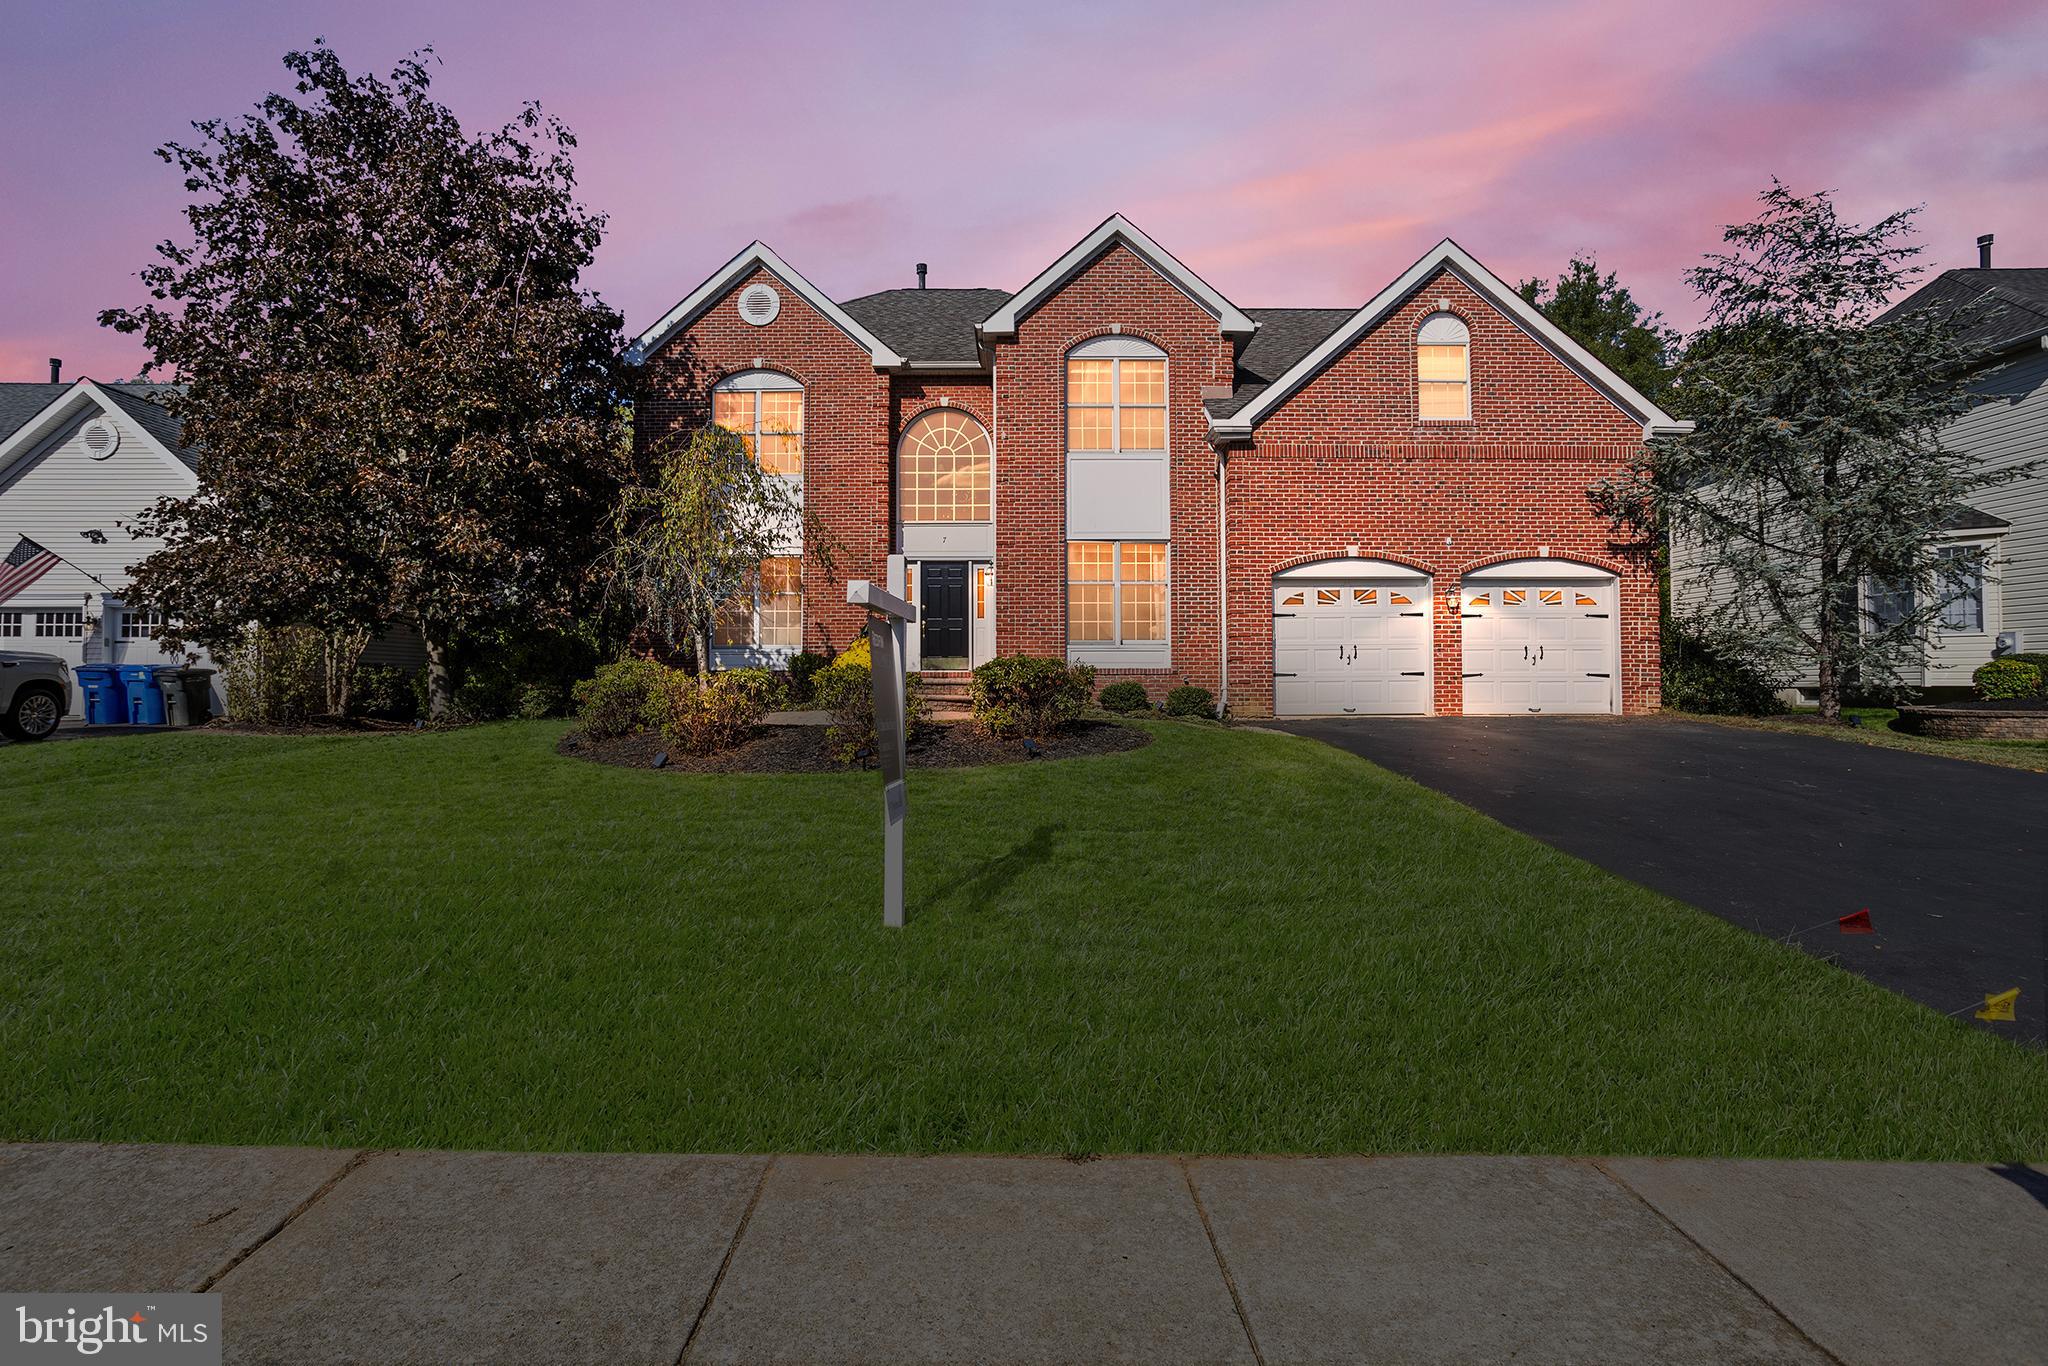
{"x": 767, "y": 410}
{"x": 1443, "y": 369}
{"x": 1116, "y": 396}
{"x": 942, "y": 468}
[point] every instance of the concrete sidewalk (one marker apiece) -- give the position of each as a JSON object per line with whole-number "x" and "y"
{"x": 324, "y": 1256}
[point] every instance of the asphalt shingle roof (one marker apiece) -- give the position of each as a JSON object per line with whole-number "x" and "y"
{"x": 1285, "y": 335}
{"x": 927, "y": 325}
{"x": 19, "y": 403}
{"x": 1963, "y": 517}
{"x": 1994, "y": 309}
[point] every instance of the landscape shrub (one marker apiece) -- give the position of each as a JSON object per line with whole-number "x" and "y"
{"x": 1124, "y": 698}
{"x": 382, "y": 692}
{"x": 621, "y": 698}
{"x": 276, "y": 676}
{"x": 2037, "y": 658}
{"x": 1705, "y": 674}
{"x": 2007, "y": 678}
{"x": 803, "y": 669}
{"x": 705, "y": 719}
{"x": 846, "y": 689}
{"x": 538, "y": 701}
{"x": 1029, "y": 694}
{"x": 1189, "y": 700}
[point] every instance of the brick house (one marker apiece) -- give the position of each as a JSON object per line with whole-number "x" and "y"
{"x": 1305, "y": 510}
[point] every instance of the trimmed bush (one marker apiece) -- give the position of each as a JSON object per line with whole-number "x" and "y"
{"x": 620, "y": 698}
{"x": 803, "y": 670}
{"x": 1705, "y": 675}
{"x": 847, "y": 691}
{"x": 705, "y": 719}
{"x": 2037, "y": 658}
{"x": 2007, "y": 678}
{"x": 1189, "y": 700}
{"x": 1124, "y": 698}
{"x": 1030, "y": 695}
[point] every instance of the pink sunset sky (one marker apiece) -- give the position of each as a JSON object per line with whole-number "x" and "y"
{"x": 1291, "y": 154}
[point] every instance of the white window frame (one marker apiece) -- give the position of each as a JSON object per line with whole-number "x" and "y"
{"x": 754, "y": 654}
{"x": 11, "y": 624}
{"x": 1443, "y": 328}
{"x": 140, "y": 623}
{"x": 78, "y": 614}
{"x": 1116, "y": 349}
{"x": 1116, "y": 652}
{"x": 757, "y": 383}
{"x": 910, "y": 429}
{"x": 1957, "y": 549}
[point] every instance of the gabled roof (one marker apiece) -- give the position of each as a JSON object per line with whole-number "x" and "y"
{"x": 1993, "y": 310}
{"x": 1963, "y": 517}
{"x": 1445, "y": 255}
{"x": 929, "y": 327}
{"x": 1231, "y": 320}
{"x": 712, "y": 290}
{"x": 30, "y": 413}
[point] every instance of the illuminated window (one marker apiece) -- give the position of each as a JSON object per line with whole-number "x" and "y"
{"x": 1326, "y": 596}
{"x": 1116, "y": 592}
{"x": 1116, "y": 396}
{"x": 768, "y": 613}
{"x": 1399, "y": 599}
{"x": 1365, "y": 596}
{"x": 1510, "y": 596}
{"x": 1480, "y": 600}
{"x": 1443, "y": 369}
{"x": 942, "y": 467}
{"x": 767, "y": 410}
{"x": 1585, "y": 601}
{"x": 1294, "y": 599}
{"x": 1551, "y": 597}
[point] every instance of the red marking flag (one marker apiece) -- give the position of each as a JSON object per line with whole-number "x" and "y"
{"x": 1857, "y": 922}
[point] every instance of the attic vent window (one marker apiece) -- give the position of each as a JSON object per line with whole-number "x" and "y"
{"x": 759, "y": 304}
{"x": 101, "y": 440}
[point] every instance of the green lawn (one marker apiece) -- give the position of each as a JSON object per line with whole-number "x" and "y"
{"x": 1876, "y": 728}
{"x": 1227, "y": 941}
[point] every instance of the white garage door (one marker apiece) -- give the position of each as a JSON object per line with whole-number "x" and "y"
{"x": 1532, "y": 646}
{"x": 1353, "y": 647}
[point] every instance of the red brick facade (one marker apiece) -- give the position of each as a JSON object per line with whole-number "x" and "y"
{"x": 1342, "y": 467}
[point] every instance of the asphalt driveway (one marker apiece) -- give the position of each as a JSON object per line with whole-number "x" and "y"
{"x": 1778, "y": 833}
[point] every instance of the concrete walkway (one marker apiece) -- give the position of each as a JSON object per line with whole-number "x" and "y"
{"x": 331, "y": 1256}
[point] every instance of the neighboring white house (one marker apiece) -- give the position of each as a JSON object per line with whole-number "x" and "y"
{"x": 2002, "y": 317}
{"x": 78, "y": 463}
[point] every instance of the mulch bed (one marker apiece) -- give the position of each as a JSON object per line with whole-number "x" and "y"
{"x": 801, "y": 749}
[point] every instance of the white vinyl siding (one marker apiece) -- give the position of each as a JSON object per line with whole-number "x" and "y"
{"x": 2011, "y": 429}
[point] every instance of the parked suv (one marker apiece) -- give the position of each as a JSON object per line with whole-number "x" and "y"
{"x": 35, "y": 692}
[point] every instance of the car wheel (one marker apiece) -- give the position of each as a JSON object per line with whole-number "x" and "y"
{"x": 34, "y": 715}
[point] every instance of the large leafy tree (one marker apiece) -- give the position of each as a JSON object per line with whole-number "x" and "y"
{"x": 1598, "y": 312}
{"x": 1817, "y": 466}
{"x": 404, "y": 405}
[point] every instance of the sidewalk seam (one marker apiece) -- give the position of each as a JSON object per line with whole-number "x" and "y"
{"x": 357, "y": 1159}
{"x": 739, "y": 1232}
{"x": 1244, "y": 1319}
{"x": 1723, "y": 1267}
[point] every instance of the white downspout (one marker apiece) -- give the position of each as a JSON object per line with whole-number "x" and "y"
{"x": 1222, "y": 583}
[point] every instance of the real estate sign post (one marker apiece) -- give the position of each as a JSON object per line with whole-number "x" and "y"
{"x": 888, "y": 618}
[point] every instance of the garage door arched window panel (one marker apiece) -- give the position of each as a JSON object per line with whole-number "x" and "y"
{"x": 943, "y": 463}
{"x": 1443, "y": 369}
{"x": 1116, "y": 396}
{"x": 766, "y": 409}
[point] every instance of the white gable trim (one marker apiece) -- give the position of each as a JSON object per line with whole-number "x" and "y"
{"x": 713, "y": 289}
{"x": 1231, "y": 321}
{"x": 1449, "y": 255}
{"x": 62, "y": 410}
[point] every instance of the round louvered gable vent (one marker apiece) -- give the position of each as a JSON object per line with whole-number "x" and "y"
{"x": 101, "y": 440}
{"x": 759, "y": 304}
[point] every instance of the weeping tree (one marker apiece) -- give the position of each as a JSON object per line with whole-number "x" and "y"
{"x": 403, "y": 404}
{"x": 1816, "y": 470}
{"x": 696, "y": 537}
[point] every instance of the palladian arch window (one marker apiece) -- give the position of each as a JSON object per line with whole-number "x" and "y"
{"x": 1443, "y": 369}
{"x": 1116, "y": 396}
{"x": 942, "y": 468}
{"x": 766, "y": 409}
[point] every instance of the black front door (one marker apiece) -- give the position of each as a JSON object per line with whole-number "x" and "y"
{"x": 942, "y": 610}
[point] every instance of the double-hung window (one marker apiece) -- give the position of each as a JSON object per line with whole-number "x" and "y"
{"x": 1116, "y": 593}
{"x": 768, "y": 613}
{"x": 766, "y": 409}
{"x": 1962, "y": 587}
{"x": 1116, "y": 402}
{"x": 1443, "y": 369}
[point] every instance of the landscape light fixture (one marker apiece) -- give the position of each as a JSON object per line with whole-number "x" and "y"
{"x": 661, "y": 759}
{"x": 1031, "y": 748}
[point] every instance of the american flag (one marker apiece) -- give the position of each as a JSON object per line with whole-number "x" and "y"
{"x": 24, "y": 564}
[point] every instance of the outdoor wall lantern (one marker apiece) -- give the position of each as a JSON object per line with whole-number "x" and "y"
{"x": 888, "y": 616}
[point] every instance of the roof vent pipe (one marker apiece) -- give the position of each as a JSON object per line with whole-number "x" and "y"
{"x": 1984, "y": 252}
{"x": 920, "y": 275}
{"x": 56, "y": 368}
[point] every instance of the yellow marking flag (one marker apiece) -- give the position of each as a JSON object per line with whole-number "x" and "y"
{"x": 1999, "y": 1007}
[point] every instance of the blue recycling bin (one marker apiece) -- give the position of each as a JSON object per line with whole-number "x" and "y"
{"x": 145, "y": 698}
{"x": 101, "y": 697}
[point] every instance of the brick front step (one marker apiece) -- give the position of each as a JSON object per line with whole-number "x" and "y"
{"x": 947, "y": 693}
